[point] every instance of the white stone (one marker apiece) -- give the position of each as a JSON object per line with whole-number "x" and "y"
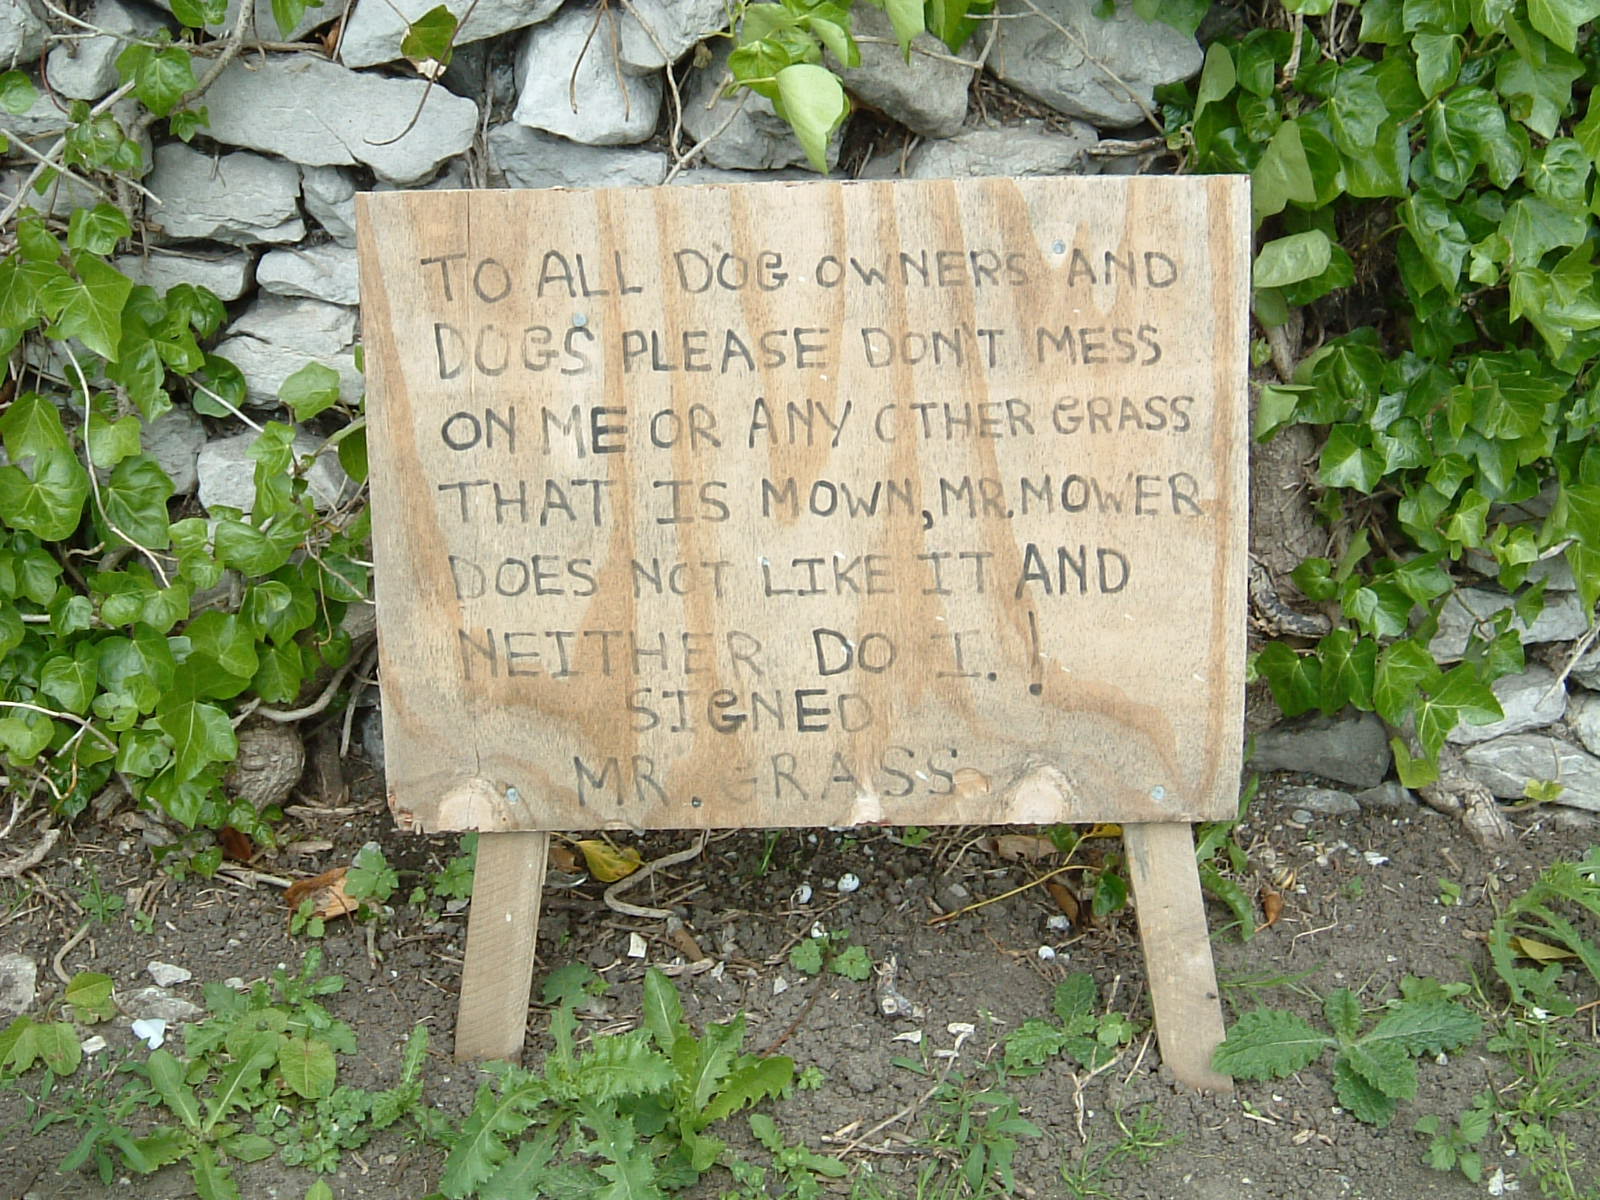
{"x": 1530, "y": 700}
{"x": 530, "y": 159}
{"x": 330, "y": 196}
{"x": 1091, "y": 73}
{"x": 676, "y": 25}
{"x": 1026, "y": 149}
{"x": 317, "y": 113}
{"x": 174, "y": 440}
{"x": 19, "y": 976}
{"x": 227, "y": 473}
{"x": 239, "y": 198}
{"x": 158, "y": 1004}
{"x": 928, "y": 94}
{"x": 612, "y": 108}
{"x": 267, "y": 25}
{"x": 376, "y": 28}
{"x": 1328, "y": 801}
{"x": 745, "y": 133}
{"x": 326, "y": 272}
{"x": 1506, "y": 765}
{"x": 1469, "y": 609}
{"x": 277, "y": 335}
{"x": 167, "y": 974}
{"x": 85, "y": 67}
{"x": 226, "y": 276}
{"x": 22, "y": 33}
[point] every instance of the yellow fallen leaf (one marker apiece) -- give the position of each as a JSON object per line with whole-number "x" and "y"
{"x": 609, "y": 863}
{"x": 1104, "y": 830}
{"x": 1542, "y": 952}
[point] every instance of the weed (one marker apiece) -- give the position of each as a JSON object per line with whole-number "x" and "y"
{"x": 828, "y": 950}
{"x": 1373, "y": 1070}
{"x": 1455, "y": 1147}
{"x": 1092, "y": 1040}
{"x": 1535, "y": 925}
{"x": 1557, "y": 1079}
{"x": 1222, "y": 861}
{"x": 98, "y": 904}
{"x": 625, "y": 1117}
{"x": 796, "y": 1166}
{"x": 1091, "y": 1171}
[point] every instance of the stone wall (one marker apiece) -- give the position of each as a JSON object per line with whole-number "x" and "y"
{"x": 259, "y": 207}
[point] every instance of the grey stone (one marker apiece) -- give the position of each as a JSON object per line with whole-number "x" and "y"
{"x": 613, "y": 108}
{"x": 370, "y": 723}
{"x": 1089, "y": 71}
{"x": 1506, "y": 765}
{"x": 1583, "y": 718}
{"x": 226, "y": 276}
{"x": 1530, "y": 700}
{"x": 227, "y": 473}
{"x": 85, "y": 68}
{"x": 239, "y": 198}
{"x": 158, "y": 1004}
{"x": 1349, "y": 749}
{"x": 702, "y": 176}
{"x": 43, "y": 118}
{"x": 1328, "y": 801}
{"x": 1467, "y": 609}
{"x": 19, "y": 976}
{"x": 59, "y": 199}
{"x": 676, "y": 25}
{"x": 267, "y": 25}
{"x": 1554, "y": 573}
{"x": 167, "y": 974}
{"x": 530, "y": 159}
{"x": 1587, "y": 669}
{"x": 1027, "y": 149}
{"x": 1388, "y": 796}
{"x": 317, "y": 113}
{"x": 330, "y": 196}
{"x": 928, "y": 94}
{"x": 174, "y": 440}
{"x": 22, "y": 33}
{"x": 376, "y": 28}
{"x": 277, "y": 335}
{"x": 326, "y": 272}
{"x": 1302, "y": 816}
{"x": 745, "y": 133}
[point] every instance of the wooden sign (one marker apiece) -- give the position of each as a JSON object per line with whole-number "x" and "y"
{"x": 809, "y": 504}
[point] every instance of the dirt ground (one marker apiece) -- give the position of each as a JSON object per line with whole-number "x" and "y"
{"x": 1364, "y": 910}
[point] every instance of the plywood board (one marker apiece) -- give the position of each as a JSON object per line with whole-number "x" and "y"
{"x": 820, "y": 503}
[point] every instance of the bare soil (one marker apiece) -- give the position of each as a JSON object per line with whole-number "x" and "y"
{"x": 1364, "y": 910}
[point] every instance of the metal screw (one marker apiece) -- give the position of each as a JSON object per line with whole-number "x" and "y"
{"x": 513, "y": 795}
{"x": 1158, "y": 792}
{"x": 1059, "y": 248}
{"x": 580, "y": 319}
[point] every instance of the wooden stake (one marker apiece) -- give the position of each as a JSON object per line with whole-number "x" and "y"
{"x": 1177, "y": 950}
{"x": 502, "y": 927}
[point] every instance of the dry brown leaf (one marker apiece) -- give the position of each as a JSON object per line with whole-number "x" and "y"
{"x": 326, "y": 893}
{"x": 1271, "y": 907}
{"x": 235, "y": 845}
{"x": 1019, "y": 847}
{"x": 1065, "y": 900}
{"x": 562, "y": 858}
{"x": 609, "y": 863}
{"x": 683, "y": 941}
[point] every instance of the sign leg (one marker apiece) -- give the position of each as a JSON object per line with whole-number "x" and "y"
{"x": 502, "y": 927}
{"x": 1177, "y": 950}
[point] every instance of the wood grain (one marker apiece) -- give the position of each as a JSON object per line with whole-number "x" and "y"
{"x": 502, "y": 927}
{"x": 797, "y": 504}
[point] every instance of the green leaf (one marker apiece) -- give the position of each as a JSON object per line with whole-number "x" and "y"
{"x": 1295, "y": 679}
{"x": 1033, "y": 1043}
{"x": 58, "y": 1047}
{"x": 1269, "y": 1044}
{"x": 1360, "y": 1098}
{"x": 1227, "y": 890}
{"x": 523, "y": 1173}
{"x": 1558, "y": 20}
{"x": 1217, "y": 77}
{"x": 287, "y": 13}
{"x": 1356, "y": 107}
{"x": 310, "y": 390}
{"x": 51, "y": 503}
{"x": 1438, "y": 61}
{"x": 135, "y": 500}
{"x": 93, "y": 309}
{"x": 17, "y": 93}
{"x": 307, "y": 1066}
{"x": 1427, "y": 1026}
{"x": 1348, "y": 461}
{"x": 430, "y": 37}
{"x": 197, "y": 13}
{"x": 112, "y": 441}
{"x": 663, "y": 1011}
{"x": 201, "y": 734}
{"x": 97, "y": 229}
{"x": 1412, "y": 772}
{"x": 749, "y": 1084}
{"x": 1438, "y": 234}
{"x": 806, "y": 956}
{"x": 906, "y": 16}
{"x": 1349, "y": 668}
{"x": 1282, "y": 174}
{"x": 1293, "y": 258}
{"x": 1462, "y": 696}
{"x": 166, "y": 1076}
{"x": 68, "y": 681}
{"x": 1343, "y": 1012}
{"x": 31, "y": 425}
{"x": 213, "y": 1180}
{"x": 1404, "y": 669}
{"x": 1536, "y": 77}
{"x": 813, "y": 101}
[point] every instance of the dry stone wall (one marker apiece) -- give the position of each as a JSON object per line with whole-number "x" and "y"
{"x": 259, "y": 209}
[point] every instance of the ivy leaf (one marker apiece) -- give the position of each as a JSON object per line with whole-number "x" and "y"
{"x": 135, "y": 499}
{"x": 97, "y": 229}
{"x": 161, "y": 76}
{"x": 1404, "y": 669}
{"x": 1438, "y": 61}
{"x": 1558, "y": 20}
{"x": 49, "y": 504}
{"x": 1413, "y": 772}
{"x": 31, "y": 426}
{"x": 1295, "y": 679}
{"x": 1462, "y": 696}
{"x": 1287, "y": 260}
{"x": 1349, "y": 667}
{"x": 1536, "y": 78}
{"x": 112, "y": 441}
{"x": 907, "y": 18}
{"x": 1217, "y": 77}
{"x": 93, "y": 309}
{"x": 17, "y": 93}
{"x": 1348, "y": 461}
{"x": 1356, "y": 107}
{"x": 287, "y": 13}
{"x": 812, "y": 100}
{"x": 1282, "y": 174}
{"x": 1269, "y": 1044}
{"x": 1438, "y": 234}
{"x": 198, "y": 13}
{"x": 430, "y": 38}
{"x": 68, "y": 681}
{"x": 310, "y": 390}
{"x": 201, "y": 734}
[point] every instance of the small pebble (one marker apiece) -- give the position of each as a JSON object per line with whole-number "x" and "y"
{"x": 848, "y": 882}
{"x": 167, "y": 974}
{"x": 94, "y": 1045}
{"x": 1060, "y": 922}
{"x": 1301, "y": 816}
{"x": 1047, "y": 953}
